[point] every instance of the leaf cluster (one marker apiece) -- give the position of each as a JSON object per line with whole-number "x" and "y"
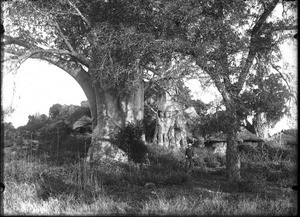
{"x": 268, "y": 95}
{"x": 129, "y": 139}
{"x": 212, "y": 123}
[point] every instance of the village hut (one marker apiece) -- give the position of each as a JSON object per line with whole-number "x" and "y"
{"x": 218, "y": 142}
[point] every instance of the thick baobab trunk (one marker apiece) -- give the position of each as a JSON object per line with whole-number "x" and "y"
{"x": 113, "y": 112}
{"x": 170, "y": 128}
{"x": 261, "y": 125}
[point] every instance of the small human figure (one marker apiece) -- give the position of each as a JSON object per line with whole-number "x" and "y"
{"x": 189, "y": 156}
{"x": 146, "y": 160}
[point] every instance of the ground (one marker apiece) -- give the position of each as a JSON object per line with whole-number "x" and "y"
{"x": 48, "y": 186}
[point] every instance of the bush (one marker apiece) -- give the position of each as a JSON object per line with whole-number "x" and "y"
{"x": 170, "y": 159}
{"x": 129, "y": 139}
{"x": 206, "y": 158}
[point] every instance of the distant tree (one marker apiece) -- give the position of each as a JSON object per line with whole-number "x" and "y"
{"x": 9, "y": 130}
{"x": 266, "y": 101}
{"x": 54, "y": 110}
{"x": 35, "y": 122}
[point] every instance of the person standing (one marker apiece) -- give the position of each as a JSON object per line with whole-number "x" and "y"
{"x": 189, "y": 156}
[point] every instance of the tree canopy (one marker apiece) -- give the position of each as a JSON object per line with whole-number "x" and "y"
{"x": 113, "y": 45}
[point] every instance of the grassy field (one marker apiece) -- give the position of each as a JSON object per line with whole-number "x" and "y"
{"x": 39, "y": 185}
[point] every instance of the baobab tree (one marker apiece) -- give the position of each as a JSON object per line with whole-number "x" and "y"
{"x": 109, "y": 46}
{"x": 101, "y": 44}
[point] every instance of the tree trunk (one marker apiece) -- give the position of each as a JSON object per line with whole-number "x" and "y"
{"x": 233, "y": 162}
{"x": 108, "y": 110}
{"x": 261, "y": 125}
{"x": 170, "y": 128}
{"x": 113, "y": 112}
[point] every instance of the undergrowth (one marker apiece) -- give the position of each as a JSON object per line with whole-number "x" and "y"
{"x": 39, "y": 185}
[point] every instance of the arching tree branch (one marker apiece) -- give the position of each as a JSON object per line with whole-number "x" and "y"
{"x": 252, "y": 47}
{"x": 34, "y": 49}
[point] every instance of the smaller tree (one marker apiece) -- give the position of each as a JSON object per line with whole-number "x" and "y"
{"x": 9, "y": 130}
{"x": 266, "y": 100}
{"x": 54, "y": 110}
{"x": 35, "y": 122}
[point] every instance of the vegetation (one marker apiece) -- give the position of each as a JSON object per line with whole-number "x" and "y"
{"x": 37, "y": 184}
{"x": 129, "y": 139}
{"x": 109, "y": 47}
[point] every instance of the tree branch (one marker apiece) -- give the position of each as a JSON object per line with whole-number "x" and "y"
{"x": 34, "y": 49}
{"x": 252, "y": 47}
{"x": 80, "y": 14}
{"x": 64, "y": 38}
{"x": 284, "y": 28}
{"x": 276, "y": 68}
{"x": 8, "y": 40}
{"x": 155, "y": 112}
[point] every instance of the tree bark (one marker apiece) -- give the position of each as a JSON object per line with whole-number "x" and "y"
{"x": 113, "y": 112}
{"x": 232, "y": 154}
{"x": 261, "y": 125}
{"x": 233, "y": 163}
{"x": 170, "y": 127}
{"x": 108, "y": 110}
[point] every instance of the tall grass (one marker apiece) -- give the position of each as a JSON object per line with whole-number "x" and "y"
{"x": 39, "y": 185}
{"x": 218, "y": 203}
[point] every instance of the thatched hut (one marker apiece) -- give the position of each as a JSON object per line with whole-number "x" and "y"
{"x": 218, "y": 141}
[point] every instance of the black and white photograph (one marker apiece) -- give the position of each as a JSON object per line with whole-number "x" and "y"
{"x": 149, "y": 107}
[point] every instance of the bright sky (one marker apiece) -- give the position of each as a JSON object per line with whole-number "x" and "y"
{"x": 39, "y": 85}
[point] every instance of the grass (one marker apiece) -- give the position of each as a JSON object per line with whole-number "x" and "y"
{"x": 38, "y": 185}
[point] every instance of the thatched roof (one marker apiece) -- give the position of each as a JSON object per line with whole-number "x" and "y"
{"x": 244, "y": 134}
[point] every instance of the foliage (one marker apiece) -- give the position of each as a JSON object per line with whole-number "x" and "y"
{"x": 54, "y": 110}
{"x": 9, "y": 130}
{"x": 62, "y": 147}
{"x": 66, "y": 111}
{"x": 35, "y": 122}
{"x": 205, "y": 158}
{"x": 129, "y": 139}
{"x": 292, "y": 132}
{"x": 122, "y": 38}
{"x": 212, "y": 123}
{"x": 267, "y": 95}
{"x": 122, "y": 41}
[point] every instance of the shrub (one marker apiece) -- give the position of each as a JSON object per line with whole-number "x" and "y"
{"x": 129, "y": 139}
{"x": 171, "y": 159}
{"x": 206, "y": 158}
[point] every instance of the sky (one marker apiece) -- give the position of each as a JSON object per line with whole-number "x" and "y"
{"x": 38, "y": 85}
